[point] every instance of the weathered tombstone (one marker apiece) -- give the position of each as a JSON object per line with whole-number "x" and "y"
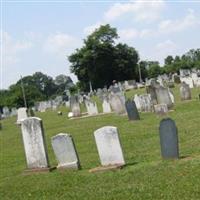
{"x": 132, "y": 110}
{"x": 169, "y": 139}
{"x": 117, "y": 104}
{"x": 34, "y": 144}
{"x": 91, "y": 107}
{"x": 106, "y": 106}
{"x": 109, "y": 147}
{"x": 163, "y": 96}
{"x": 74, "y": 105}
{"x": 161, "y": 109}
{"x": 143, "y": 102}
{"x": 152, "y": 91}
{"x": 21, "y": 114}
{"x": 185, "y": 92}
{"x": 65, "y": 151}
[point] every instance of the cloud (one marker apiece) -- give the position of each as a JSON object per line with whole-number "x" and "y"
{"x": 141, "y": 10}
{"x": 127, "y": 34}
{"x": 167, "y": 46}
{"x": 89, "y": 29}
{"x": 12, "y": 48}
{"x": 61, "y": 43}
{"x": 170, "y": 26}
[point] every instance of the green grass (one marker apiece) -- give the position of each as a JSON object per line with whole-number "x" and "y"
{"x": 146, "y": 175}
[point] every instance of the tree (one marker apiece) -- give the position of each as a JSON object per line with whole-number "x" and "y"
{"x": 154, "y": 70}
{"x": 169, "y": 60}
{"x": 101, "y": 61}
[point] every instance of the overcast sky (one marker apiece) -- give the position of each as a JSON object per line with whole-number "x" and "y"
{"x": 38, "y": 35}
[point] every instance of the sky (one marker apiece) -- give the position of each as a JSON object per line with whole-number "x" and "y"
{"x": 39, "y": 35}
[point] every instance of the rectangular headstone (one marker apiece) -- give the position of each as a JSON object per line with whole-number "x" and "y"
{"x": 34, "y": 143}
{"x": 65, "y": 151}
{"x": 169, "y": 139}
{"x": 108, "y": 146}
{"x": 21, "y": 114}
{"x": 91, "y": 107}
{"x": 132, "y": 110}
{"x": 106, "y": 106}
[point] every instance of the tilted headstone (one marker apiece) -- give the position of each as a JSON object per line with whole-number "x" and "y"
{"x": 108, "y": 146}
{"x": 65, "y": 151}
{"x": 106, "y": 106}
{"x": 21, "y": 114}
{"x": 169, "y": 139}
{"x": 74, "y": 105}
{"x": 34, "y": 143}
{"x": 132, "y": 110}
{"x": 91, "y": 107}
{"x": 161, "y": 109}
{"x": 185, "y": 92}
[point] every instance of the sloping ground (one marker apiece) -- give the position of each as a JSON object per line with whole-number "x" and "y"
{"x": 146, "y": 175}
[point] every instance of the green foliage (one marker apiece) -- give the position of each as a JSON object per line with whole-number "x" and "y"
{"x": 101, "y": 61}
{"x": 37, "y": 87}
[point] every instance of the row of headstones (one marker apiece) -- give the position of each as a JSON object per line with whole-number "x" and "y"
{"x": 107, "y": 142}
{"x": 6, "y": 112}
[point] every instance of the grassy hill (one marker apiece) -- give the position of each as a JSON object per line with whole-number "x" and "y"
{"x": 146, "y": 175}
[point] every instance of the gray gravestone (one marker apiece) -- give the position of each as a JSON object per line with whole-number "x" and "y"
{"x": 108, "y": 146}
{"x": 34, "y": 143}
{"x": 132, "y": 110}
{"x": 161, "y": 109}
{"x": 65, "y": 151}
{"x": 169, "y": 139}
{"x": 185, "y": 92}
{"x": 163, "y": 96}
{"x": 117, "y": 104}
{"x": 74, "y": 105}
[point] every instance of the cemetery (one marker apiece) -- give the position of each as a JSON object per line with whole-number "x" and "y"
{"x": 132, "y": 145}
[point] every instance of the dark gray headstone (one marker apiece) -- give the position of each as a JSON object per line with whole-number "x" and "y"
{"x": 132, "y": 110}
{"x": 169, "y": 139}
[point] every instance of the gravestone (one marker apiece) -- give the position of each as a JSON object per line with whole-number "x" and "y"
{"x": 161, "y": 109}
{"x": 91, "y": 107}
{"x": 143, "y": 102}
{"x": 6, "y": 112}
{"x": 108, "y": 146}
{"x": 132, "y": 110}
{"x": 74, "y": 105}
{"x": 117, "y": 104}
{"x": 163, "y": 96}
{"x": 185, "y": 92}
{"x": 169, "y": 139}
{"x": 65, "y": 151}
{"x": 106, "y": 106}
{"x": 21, "y": 114}
{"x": 34, "y": 144}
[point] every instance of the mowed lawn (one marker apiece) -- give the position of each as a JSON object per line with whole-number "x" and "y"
{"x": 146, "y": 175}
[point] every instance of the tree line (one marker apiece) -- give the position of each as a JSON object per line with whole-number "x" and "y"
{"x": 37, "y": 87}
{"x": 99, "y": 61}
{"x": 102, "y": 60}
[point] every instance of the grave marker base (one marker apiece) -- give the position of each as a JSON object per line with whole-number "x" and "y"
{"x": 106, "y": 168}
{"x": 38, "y": 170}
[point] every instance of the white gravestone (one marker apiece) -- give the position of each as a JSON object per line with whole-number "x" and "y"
{"x": 21, "y": 115}
{"x": 34, "y": 143}
{"x": 91, "y": 108}
{"x": 106, "y": 106}
{"x": 108, "y": 146}
{"x": 65, "y": 151}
